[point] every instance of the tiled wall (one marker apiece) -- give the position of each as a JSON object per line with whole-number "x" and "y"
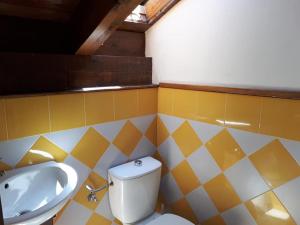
{"x": 91, "y": 132}
{"x": 230, "y": 159}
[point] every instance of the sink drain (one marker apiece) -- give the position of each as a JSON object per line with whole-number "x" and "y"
{"x": 23, "y": 212}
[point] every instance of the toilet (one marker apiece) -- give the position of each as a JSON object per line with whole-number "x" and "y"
{"x": 133, "y": 193}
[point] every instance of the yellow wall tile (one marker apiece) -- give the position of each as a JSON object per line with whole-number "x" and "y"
{"x": 126, "y": 104}
{"x": 151, "y": 132}
{"x": 147, "y": 101}
{"x": 281, "y": 117}
{"x": 183, "y": 209}
{"x": 27, "y": 116}
{"x": 216, "y": 220}
{"x": 185, "y": 177}
{"x": 275, "y": 164}
{"x": 187, "y": 139}
{"x": 211, "y": 107}
{"x": 96, "y": 219}
{"x": 99, "y": 107}
{"x": 3, "y": 130}
{"x": 185, "y": 103}
{"x": 162, "y": 132}
{"x": 266, "y": 208}
{"x": 243, "y": 112}
{"x": 66, "y": 111}
{"x": 42, "y": 151}
{"x": 90, "y": 148}
{"x": 224, "y": 149}
{"x": 165, "y": 100}
{"x": 95, "y": 181}
{"x": 222, "y": 193}
{"x": 128, "y": 138}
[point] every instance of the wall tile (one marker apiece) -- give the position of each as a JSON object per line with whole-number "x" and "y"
{"x": 3, "y": 128}
{"x": 27, "y": 116}
{"x": 147, "y": 101}
{"x": 243, "y": 112}
{"x": 211, "y": 107}
{"x": 165, "y": 100}
{"x": 99, "y": 107}
{"x": 281, "y": 117}
{"x": 66, "y": 111}
{"x": 185, "y": 103}
{"x": 126, "y": 104}
{"x": 182, "y": 208}
{"x": 217, "y": 220}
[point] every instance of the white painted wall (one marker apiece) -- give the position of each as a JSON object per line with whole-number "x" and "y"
{"x": 253, "y": 43}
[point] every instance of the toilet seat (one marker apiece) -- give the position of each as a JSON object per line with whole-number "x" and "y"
{"x": 170, "y": 219}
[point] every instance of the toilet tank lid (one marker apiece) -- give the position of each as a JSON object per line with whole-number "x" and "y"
{"x": 135, "y": 168}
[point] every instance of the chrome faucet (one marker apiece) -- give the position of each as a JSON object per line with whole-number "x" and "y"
{"x": 92, "y": 195}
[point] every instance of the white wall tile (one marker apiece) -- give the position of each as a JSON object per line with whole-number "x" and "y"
{"x": 238, "y": 215}
{"x": 110, "y": 130}
{"x": 142, "y": 123}
{"x": 171, "y": 122}
{"x": 169, "y": 189}
{"x": 293, "y": 148}
{"x": 205, "y": 131}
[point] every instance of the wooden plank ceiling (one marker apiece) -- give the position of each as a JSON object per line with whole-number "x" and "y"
{"x": 74, "y": 26}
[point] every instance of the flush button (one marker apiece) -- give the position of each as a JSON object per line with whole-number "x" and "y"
{"x": 138, "y": 162}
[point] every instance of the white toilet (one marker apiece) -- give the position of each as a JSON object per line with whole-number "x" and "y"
{"x": 133, "y": 194}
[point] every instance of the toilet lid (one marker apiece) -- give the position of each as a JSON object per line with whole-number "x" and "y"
{"x": 170, "y": 219}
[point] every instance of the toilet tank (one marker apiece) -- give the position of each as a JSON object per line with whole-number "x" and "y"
{"x": 134, "y": 190}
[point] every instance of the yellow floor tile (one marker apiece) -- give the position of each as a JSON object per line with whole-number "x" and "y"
{"x": 225, "y": 150}
{"x": 162, "y": 132}
{"x": 66, "y": 111}
{"x": 165, "y": 100}
{"x": 185, "y": 177}
{"x": 27, "y": 116}
{"x": 99, "y": 107}
{"x": 185, "y": 103}
{"x": 187, "y": 139}
{"x": 147, "y": 101}
{"x": 90, "y": 148}
{"x": 222, "y": 193}
{"x": 3, "y": 130}
{"x": 126, "y": 104}
{"x": 96, "y": 219}
{"x": 211, "y": 107}
{"x": 281, "y": 118}
{"x": 275, "y": 164}
{"x": 151, "y": 132}
{"x": 95, "y": 181}
{"x": 267, "y": 209}
{"x": 128, "y": 138}
{"x": 42, "y": 151}
{"x": 183, "y": 209}
{"x": 216, "y": 220}
{"x": 243, "y": 112}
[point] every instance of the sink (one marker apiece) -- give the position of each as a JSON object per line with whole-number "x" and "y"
{"x": 32, "y": 195}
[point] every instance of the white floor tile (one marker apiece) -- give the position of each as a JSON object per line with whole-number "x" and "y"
{"x": 238, "y": 215}
{"x": 203, "y": 164}
{"x": 170, "y": 153}
{"x": 289, "y": 195}
{"x": 74, "y": 214}
{"x": 246, "y": 180}
{"x": 201, "y": 204}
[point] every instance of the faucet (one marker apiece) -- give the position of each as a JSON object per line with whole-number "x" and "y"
{"x": 92, "y": 195}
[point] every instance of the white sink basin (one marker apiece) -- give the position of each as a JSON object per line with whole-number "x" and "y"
{"x": 33, "y": 194}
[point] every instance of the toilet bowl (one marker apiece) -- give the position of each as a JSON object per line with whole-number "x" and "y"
{"x": 133, "y": 194}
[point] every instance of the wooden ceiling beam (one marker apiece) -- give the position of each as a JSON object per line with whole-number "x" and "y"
{"x": 97, "y": 20}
